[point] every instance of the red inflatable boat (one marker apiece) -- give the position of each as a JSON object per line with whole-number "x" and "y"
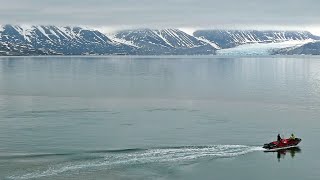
{"x": 282, "y": 144}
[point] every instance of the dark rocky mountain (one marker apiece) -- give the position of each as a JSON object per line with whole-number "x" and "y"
{"x": 232, "y": 38}
{"x": 10, "y": 49}
{"x": 165, "y": 41}
{"x": 61, "y": 40}
{"x": 312, "y": 48}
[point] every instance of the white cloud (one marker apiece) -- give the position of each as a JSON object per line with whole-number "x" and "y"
{"x": 164, "y": 13}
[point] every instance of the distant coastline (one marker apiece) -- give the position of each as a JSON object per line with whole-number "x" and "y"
{"x": 37, "y": 40}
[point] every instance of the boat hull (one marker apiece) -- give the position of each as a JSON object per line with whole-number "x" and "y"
{"x": 279, "y": 149}
{"x": 283, "y": 144}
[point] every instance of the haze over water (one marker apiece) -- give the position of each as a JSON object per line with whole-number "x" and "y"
{"x": 182, "y": 117}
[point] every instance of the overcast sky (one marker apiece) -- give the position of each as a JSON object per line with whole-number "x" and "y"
{"x": 164, "y": 13}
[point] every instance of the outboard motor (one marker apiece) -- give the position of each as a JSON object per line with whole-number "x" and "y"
{"x": 269, "y": 146}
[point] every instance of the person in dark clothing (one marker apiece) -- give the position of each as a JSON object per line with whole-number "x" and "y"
{"x": 279, "y": 137}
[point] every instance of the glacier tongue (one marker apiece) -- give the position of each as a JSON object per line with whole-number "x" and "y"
{"x": 260, "y": 48}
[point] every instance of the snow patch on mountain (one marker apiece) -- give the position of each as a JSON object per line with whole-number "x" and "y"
{"x": 214, "y": 45}
{"x": 123, "y": 41}
{"x": 159, "y": 33}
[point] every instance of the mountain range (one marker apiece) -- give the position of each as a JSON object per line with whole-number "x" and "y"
{"x": 311, "y": 48}
{"x": 55, "y": 40}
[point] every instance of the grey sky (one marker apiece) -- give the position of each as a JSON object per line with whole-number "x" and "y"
{"x": 162, "y": 13}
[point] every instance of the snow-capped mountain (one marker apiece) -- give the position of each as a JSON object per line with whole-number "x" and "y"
{"x": 232, "y": 38}
{"x": 165, "y": 41}
{"x": 62, "y": 40}
{"x": 56, "y": 40}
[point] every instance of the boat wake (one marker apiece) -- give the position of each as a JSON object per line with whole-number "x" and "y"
{"x": 107, "y": 159}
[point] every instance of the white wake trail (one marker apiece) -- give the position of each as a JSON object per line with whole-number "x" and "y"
{"x": 118, "y": 158}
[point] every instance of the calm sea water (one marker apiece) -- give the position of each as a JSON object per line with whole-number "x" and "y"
{"x": 158, "y": 117}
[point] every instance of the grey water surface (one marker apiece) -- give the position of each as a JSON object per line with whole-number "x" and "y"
{"x": 180, "y": 117}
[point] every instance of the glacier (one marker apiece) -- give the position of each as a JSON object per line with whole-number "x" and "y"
{"x": 254, "y": 49}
